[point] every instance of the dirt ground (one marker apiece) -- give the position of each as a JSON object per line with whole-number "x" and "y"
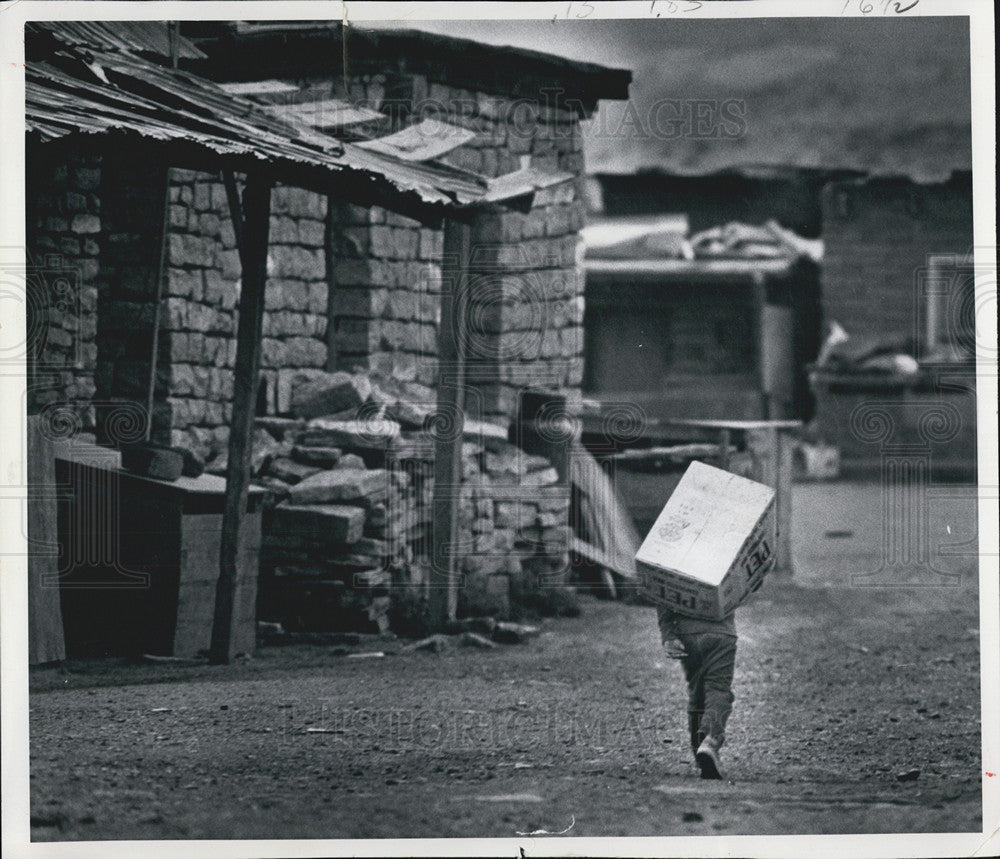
{"x": 840, "y": 689}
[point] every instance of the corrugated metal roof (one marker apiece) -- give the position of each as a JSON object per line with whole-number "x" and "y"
{"x": 119, "y": 93}
{"x": 150, "y": 37}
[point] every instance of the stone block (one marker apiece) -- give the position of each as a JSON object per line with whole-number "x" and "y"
{"x": 350, "y": 461}
{"x": 229, "y": 264}
{"x": 273, "y": 353}
{"x": 85, "y": 224}
{"x": 290, "y": 471}
{"x": 305, "y": 352}
{"x": 86, "y": 178}
{"x": 340, "y": 485}
{"x": 219, "y": 198}
{"x": 283, "y": 230}
{"x": 329, "y": 393}
{"x": 542, "y": 477}
{"x": 317, "y": 297}
{"x": 334, "y": 523}
{"x": 209, "y": 225}
{"x": 571, "y": 341}
{"x": 178, "y": 217}
{"x": 362, "y": 272}
{"x": 321, "y": 457}
{"x": 294, "y": 294}
{"x": 371, "y": 434}
{"x": 286, "y": 381}
{"x": 227, "y": 235}
{"x": 311, "y": 233}
{"x": 203, "y": 196}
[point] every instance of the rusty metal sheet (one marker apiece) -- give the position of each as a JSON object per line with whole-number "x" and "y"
{"x": 117, "y": 92}
{"x": 151, "y": 37}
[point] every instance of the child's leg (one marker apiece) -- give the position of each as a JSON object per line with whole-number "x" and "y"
{"x": 718, "y": 666}
{"x": 695, "y": 676}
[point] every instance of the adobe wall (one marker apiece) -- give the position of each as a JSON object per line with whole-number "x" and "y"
{"x": 877, "y": 236}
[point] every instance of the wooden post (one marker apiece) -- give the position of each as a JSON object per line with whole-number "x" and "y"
{"x": 161, "y": 267}
{"x": 783, "y": 441}
{"x": 253, "y": 259}
{"x": 759, "y": 301}
{"x": 773, "y": 452}
{"x": 443, "y": 596}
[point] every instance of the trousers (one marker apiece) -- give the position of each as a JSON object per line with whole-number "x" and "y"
{"x": 709, "y": 663}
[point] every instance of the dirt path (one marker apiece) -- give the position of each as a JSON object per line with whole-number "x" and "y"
{"x": 839, "y": 690}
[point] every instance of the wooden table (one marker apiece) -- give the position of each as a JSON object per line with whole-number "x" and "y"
{"x": 139, "y": 559}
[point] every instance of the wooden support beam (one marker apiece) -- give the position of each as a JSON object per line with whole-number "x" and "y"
{"x": 443, "y": 597}
{"x": 161, "y": 269}
{"x": 235, "y": 209}
{"x": 253, "y": 258}
{"x": 759, "y": 300}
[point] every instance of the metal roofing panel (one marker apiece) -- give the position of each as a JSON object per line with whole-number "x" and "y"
{"x": 179, "y": 107}
{"x": 328, "y": 113}
{"x": 153, "y": 37}
{"x": 116, "y": 92}
{"x": 527, "y": 180}
{"x": 423, "y": 141}
{"x": 259, "y": 88}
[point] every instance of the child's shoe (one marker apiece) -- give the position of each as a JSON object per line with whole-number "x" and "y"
{"x": 697, "y": 735}
{"x": 707, "y": 758}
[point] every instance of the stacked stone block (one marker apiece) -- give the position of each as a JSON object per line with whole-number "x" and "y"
{"x": 524, "y": 314}
{"x": 199, "y": 315}
{"x": 385, "y": 306}
{"x": 62, "y": 280}
{"x": 349, "y": 534}
{"x": 524, "y": 307}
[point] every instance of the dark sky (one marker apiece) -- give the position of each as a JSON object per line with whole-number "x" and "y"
{"x": 887, "y": 94}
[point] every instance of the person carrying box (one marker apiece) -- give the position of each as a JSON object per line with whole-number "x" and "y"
{"x": 710, "y": 547}
{"x": 707, "y": 651}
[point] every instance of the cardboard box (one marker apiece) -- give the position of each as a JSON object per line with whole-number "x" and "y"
{"x": 711, "y": 544}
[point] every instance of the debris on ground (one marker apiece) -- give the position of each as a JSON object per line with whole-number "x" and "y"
{"x": 433, "y": 643}
{"x": 514, "y": 633}
{"x": 474, "y": 639}
{"x": 572, "y": 823}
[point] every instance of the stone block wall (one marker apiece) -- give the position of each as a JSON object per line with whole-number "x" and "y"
{"x": 64, "y": 234}
{"x": 133, "y": 205}
{"x": 877, "y": 235}
{"x": 199, "y": 313}
{"x": 523, "y": 311}
{"x": 385, "y": 305}
{"x": 526, "y": 304}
